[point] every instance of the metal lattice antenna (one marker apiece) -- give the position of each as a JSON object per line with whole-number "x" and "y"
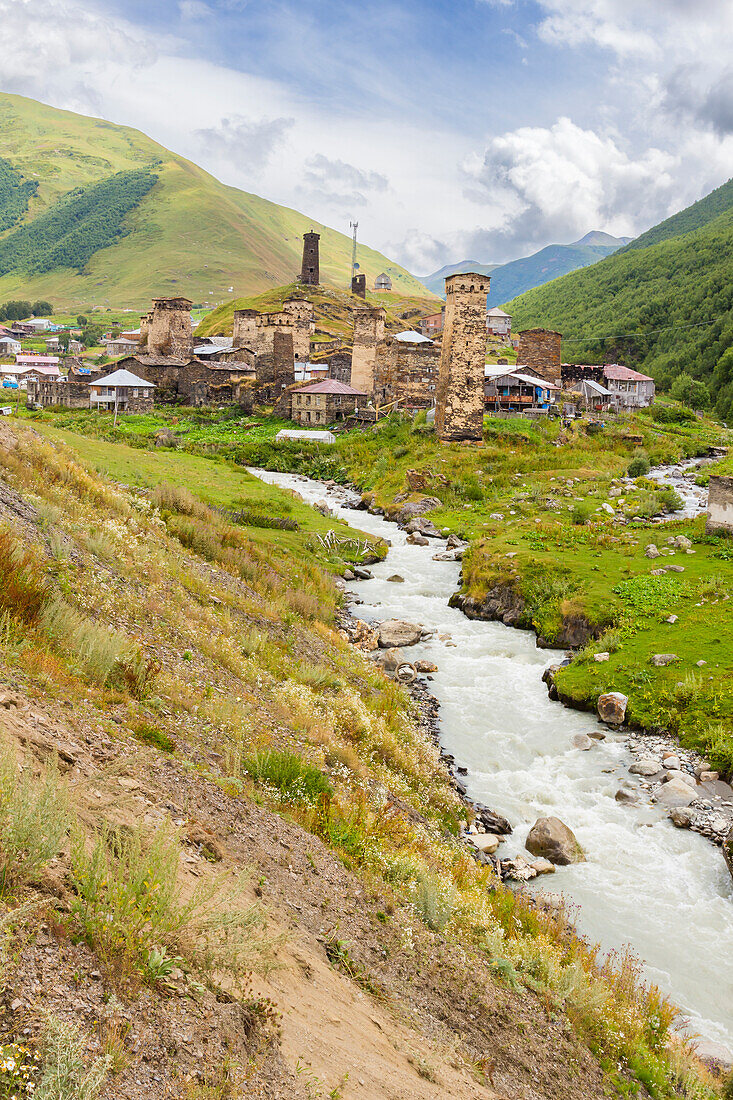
{"x": 354, "y": 226}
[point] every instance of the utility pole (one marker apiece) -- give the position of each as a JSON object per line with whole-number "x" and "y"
{"x": 354, "y": 226}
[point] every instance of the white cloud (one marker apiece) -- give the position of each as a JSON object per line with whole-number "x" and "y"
{"x": 340, "y": 184}
{"x": 246, "y": 142}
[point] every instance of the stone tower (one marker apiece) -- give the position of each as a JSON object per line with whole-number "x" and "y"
{"x": 168, "y": 328}
{"x": 309, "y": 272}
{"x": 459, "y": 397}
{"x": 368, "y": 334}
{"x": 358, "y": 286}
{"x": 539, "y": 348}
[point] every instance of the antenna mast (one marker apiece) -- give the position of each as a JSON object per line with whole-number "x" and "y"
{"x": 354, "y": 226}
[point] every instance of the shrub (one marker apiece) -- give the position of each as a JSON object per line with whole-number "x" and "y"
{"x": 434, "y": 901}
{"x": 289, "y": 774}
{"x": 64, "y": 1075}
{"x": 34, "y": 819}
{"x": 640, "y": 464}
{"x": 24, "y": 587}
{"x": 581, "y": 513}
{"x": 151, "y": 735}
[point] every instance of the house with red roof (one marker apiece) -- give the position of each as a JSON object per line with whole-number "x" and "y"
{"x": 632, "y": 389}
{"x": 325, "y": 402}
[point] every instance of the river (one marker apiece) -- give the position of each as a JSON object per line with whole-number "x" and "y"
{"x": 664, "y": 891}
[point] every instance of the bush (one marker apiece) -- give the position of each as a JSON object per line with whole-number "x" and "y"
{"x": 151, "y": 735}
{"x": 34, "y": 819}
{"x": 581, "y": 513}
{"x": 434, "y": 901}
{"x": 65, "y": 1075}
{"x": 640, "y": 464}
{"x": 289, "y": 774}
{"x": 23, "y": 585}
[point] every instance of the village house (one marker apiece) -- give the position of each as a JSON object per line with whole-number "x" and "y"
{"x": 633, "y": 390}
{"x": 596, "y": 397}
{"x": 122, "y": 391}
{"x": 9, "y": 346}
{"x": 325, "y": 402}
{"x": 26, "y": 361}
{"x": 516, "y": 390}
{"x": 432, "y": 324}
{"x": 119, "y": 345}
{"x": 498, "y": 323}
{"x": 406, "y": 371}
{"x": 71, "y": 392}
{"x": 382, "y": 282}
{"x": 41, "y": 324}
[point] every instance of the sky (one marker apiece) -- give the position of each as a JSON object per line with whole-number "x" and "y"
{"x": 450, "y": 129}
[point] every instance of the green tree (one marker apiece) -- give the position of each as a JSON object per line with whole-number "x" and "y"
{"x": 690, "y": 392}
{"x": 41, "y": 308}
{"x": 82, "y": 321}
{"x": 17, "y": 310}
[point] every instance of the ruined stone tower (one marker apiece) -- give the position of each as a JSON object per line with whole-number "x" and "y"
{"x": 459, "y": 408}
{"x": 300, "y": 313}
{"x": 368, "y": 334}
{"x": 168, "y": 328}
{"x": 309, "y": 272}
{"x": 539, "y": 348}
{"x": 358, "y": 286}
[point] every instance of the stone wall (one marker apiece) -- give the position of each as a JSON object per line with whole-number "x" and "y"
{"x": 720, "y": 504}
{"x": 71, "y": 394}
{"x": 406, "y": 372}
{"x": 574, "y": 373}
{"x": 187, "y": 383}
{"x": 310, "y": 269}
{"x": 256, "y": 331}
{"x": 540, "y": 348}
{"x": 358, "y": 286}
{"x": 168, "y": 328}
{"x": 368, "y": 334}
{"x": 459, "y": 412}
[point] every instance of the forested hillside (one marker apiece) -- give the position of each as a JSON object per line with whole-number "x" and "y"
{"x": 664, "y": 307}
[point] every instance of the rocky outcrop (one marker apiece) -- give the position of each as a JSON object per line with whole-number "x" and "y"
{"x": 394, "y": 633}
{"x": 501, "y": 604}
{"x": 551, "y": 838}
{"x": 612, "y": 707}
{"x": 415, "y": 508}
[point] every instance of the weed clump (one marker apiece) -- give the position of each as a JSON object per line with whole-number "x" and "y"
{"x": 34, "y": 820}
{"x": 24, "y": 587}
{"x": 640, "y": 464}
{"x": 288, "y": 774}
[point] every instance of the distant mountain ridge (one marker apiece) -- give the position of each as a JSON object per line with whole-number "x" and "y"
{"x": 92, "y": 213}
{"x": 517, "y": 276}
{"x": 672, "y": 286}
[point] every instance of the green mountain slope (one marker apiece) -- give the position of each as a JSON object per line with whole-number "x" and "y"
{"x": 692, "y": 217}
{"x": 665, "y": 308}
{"x": 189, "y": 234}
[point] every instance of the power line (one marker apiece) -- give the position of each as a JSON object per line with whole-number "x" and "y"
{"x": 628, "y": 335}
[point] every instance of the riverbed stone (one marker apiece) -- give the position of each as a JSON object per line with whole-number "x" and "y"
{"x": 396, "y": 579}
{"x": 646, "y": 765}
{"x": 418, "y": 540}
{"x": 671, "y": 763}
{"x": 485, "y": 842}
{"x": 391, "y": 659}
{"x": 397, "y": 632}
{"x": 627, "y": 794}
{"x": 543, "y": 866}
{"x": 728, "y": 851}
{"x": 417, "y": 508}
{"x": 425, "y": 666}
{"x": 681, "y": 817}
{"x": 612, "y": 707}
{"x": 551, "y": 838}
{"x": 582, "y": 741}
{"x": 662, "y": 659}
{"x": 675, "y": 793}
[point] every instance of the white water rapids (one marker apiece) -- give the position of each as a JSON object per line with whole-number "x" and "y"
{"x": 664, "y": 891}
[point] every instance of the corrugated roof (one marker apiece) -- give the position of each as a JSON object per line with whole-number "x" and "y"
{"x": 409, "y": 336}
{"x": 330, "y": 385}
{"x": 619, "y": 373}
{"x": 496, "y": 312}
{"x": 37, "y": 360}
{"x": 123, "y": 378}
{"x": 597, "y": 387}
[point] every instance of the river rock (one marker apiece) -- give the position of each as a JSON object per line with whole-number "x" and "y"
{"x": 517, "y": 869}
{"x": 396, "y": 578}
{"x": 627, "y": 794}
{"x": 364, "y": 636}
{"x": 492, "y": 822}
{"x": 485, "y": 842}
{"x": 543, "y": 866}
{"x": 728, "y": 851}
{"x": 454, "y": 543}
{"x": 417, "y": 508}
{"x": 582, "y": 741}
{"x": 662, "y": 659}
{"x": 425, "y": 666}
{"x": 391, "y": 659}
{"x": 651, "y": 551}
{"x": 681, "y": 816}
{"x": 397, "y": 632}
{"x": 647, "y": 765}
{"x": 348, "y": 575}
{"x": 675, "y": 793}
{"x": 551, "y": 838}
{"x": 418, "y": 540}
{"x": 362, "y": 573}
{"x": 612, "y": 707}
{"x": 671, "y": 763}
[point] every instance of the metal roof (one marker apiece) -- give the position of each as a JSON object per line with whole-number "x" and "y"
{"x": 496, "y": 312}
{"x": 619, "y": 373}
{"x": 409, "y": 336}
{"x": 123, "y": 378}
{"x": 330, "y": 385}
{"x": 596, "y": 386}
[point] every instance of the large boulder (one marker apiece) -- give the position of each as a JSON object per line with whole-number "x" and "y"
{"x": 396, "y": 632}
{"x": 675, "y": 793}
{"x": 612, "y": 707}
{"x": 551, "y": 838}
{"x": 662, "y": 659}
{"x": 417, "y": 508}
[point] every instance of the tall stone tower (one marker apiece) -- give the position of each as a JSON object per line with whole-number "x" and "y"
{"x": 368, "y": 334}
{"x": 309, "y": 273}
{"x": 168, "y": 327}
{"x": 358, "y": 286}
{"x": 540, "y": 348}
{"x": 459, "y": 397}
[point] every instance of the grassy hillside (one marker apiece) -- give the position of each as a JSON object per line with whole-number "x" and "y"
{"x": 674, "y": 296}
{"x": 332, "y": 308}
{"x": 190, "y": 234}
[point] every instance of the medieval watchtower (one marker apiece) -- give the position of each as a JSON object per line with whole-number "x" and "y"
{"x": 368, "y": 334}
{"x": 539, "y": 348}
{"x": 168, "y": 328}
{"x": 310, "y": 271}
{"x": 459, "y": 409}
{"x": 358, "y": 286}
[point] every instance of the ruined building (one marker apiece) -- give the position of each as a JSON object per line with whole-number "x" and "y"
{"x": 358, "y": 286}
{"x": 459, "y": 412}
{"x": 310, "y": 270}
{"x": 368, "y": 334}
{"x": 406, "y": 370}
{"x": 256, "y": 331}
{"x": 166, "y": 330}
{"x": 540, "y": 348}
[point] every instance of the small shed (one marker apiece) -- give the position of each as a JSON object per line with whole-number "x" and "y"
{"x": 325, "y": 402}
{"x": 498, "y": 322}
{"x": 383, "y": 282}
{"x": 122, "y": 391}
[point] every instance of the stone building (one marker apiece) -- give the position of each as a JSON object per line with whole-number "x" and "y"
{"x": 166, "y": 330}
{"x": 122, "y": 391}
{"x": 71, "y": 392}
{"x": 459, "y": 411}
{"x": 406, "y": 370}
{"x": 256, "y": 331}
{"x": 192, "y": 382}
{"x": 310, "y": 270}
{"x": 324, "y": 402}
{"x": 358, "y": 286}
{"x": 368, "y": 335}
{"x": 720, "y": 504}
{"x": 498, "y": 323}
{"x": 540, "y": 348}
